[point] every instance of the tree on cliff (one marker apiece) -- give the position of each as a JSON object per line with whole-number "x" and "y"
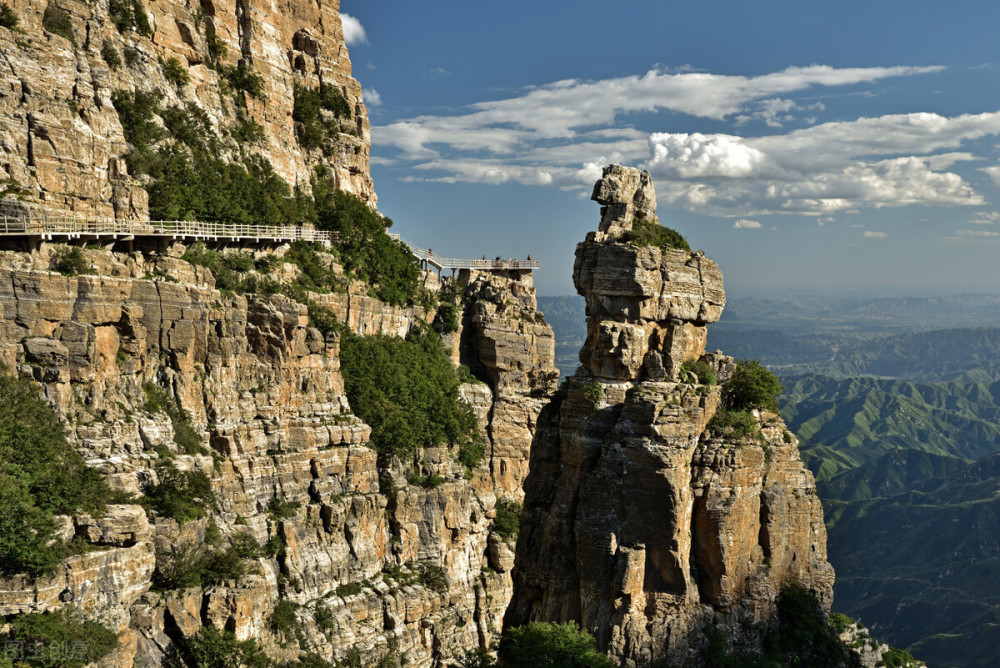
{"x": 752, "y": 386}
{"x": 41, "y": 475}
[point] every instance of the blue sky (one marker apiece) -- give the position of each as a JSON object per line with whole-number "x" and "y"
{"x": 826, "y": 145}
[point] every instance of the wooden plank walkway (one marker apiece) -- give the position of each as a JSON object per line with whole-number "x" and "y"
{"x": 50, "y": 228}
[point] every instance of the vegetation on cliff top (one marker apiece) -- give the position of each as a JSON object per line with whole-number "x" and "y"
{"x": 41, "y": 475}
{"x": 646, "y": 233}
{"x": 191, "y": 181}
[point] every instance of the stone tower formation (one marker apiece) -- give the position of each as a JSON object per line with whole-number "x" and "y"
{"x": 639, "y": 523}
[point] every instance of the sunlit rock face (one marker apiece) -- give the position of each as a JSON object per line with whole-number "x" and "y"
{"x": 638, "y": 524}
{"x": 61, "y": 142}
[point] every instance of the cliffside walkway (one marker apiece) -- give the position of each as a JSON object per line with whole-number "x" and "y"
{"x": 49, "y": 229}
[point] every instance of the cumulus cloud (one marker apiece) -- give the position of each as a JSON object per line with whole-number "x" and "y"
{"x": 744, "y": 224}
{"x": 354, "y": 32}
{"x": 371, "y": 97}
{"x": 874, "y": 235}
{"x": 561, "y": 133}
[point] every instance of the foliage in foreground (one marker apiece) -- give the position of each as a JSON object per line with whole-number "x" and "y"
{"x": 646, "y": 233}
{"x": 728, "y": 423}
{"x": 407, "y": 390}
{"x": 508, "y": 518}
{"x": 544, "y": 644}
{"x": 800, "y": 637}
{"x": 56, "y": 640}
{"x": 701, "y": 370}
{"x": 40, "y": 475}
{"x": 364, "y": 247}
{"x": 752, "y": 386}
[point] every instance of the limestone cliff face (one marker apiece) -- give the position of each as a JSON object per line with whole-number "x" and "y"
{"x": 369, "y": 561}
{"x": 61, "y": 142}
{"x": 638, "y": 523}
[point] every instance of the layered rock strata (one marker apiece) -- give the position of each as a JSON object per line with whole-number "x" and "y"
{"x": 369, "y": 561}
{"x": 61, "y": 142}
{"x": 639, "y": 523}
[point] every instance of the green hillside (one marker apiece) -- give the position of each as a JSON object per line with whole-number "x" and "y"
{"x": 909, "y": 476}
{"x": 968, "y": 354}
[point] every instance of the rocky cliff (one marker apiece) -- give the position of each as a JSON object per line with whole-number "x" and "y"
{"x": 366, "y": 559}
{"x": 640, "y": 522}
{"x": 238, "y": 61}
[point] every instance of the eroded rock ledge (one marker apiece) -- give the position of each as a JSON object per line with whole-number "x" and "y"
{"x": 638, "y": 524}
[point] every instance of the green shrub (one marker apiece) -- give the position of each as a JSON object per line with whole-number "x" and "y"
{"x": 175, "y": 72}
{"x": 58, "y": 640}
{"x": 281, "y": 510}
{"x": 898, "y": 658}
{"x": 110, "y": 54}
{"x": 284, "y": 618}
{"x": 406, "y": 389}
{"x": 702, "y": 370}
{"x": 131, "y": 56}
{"x": 185, "y": 436}
{"x": 244, "y": 78}
{"x": 129, "y": 15}
{"x": 183, "y": 495}
{"x": 728, "y": 423}
{"x": 40, "y": 475}
{"x": 248, "y": 132}
{"x": 364, "y": 247}
{"x": 465, "y": 375}
{"x": 314, "y": 273}
{"x": 313, "y": 127}
{"x": 70, "y": 261}
{"x": 8, "y": 19}
{"x": 508, "y": 518}
{"x": 433, "y": 577}
{"x": 546, "y": 644}
{"x": 429, "y": 481}
{"x": 840, "y": 622}
{"x": 200, "y": 566}
{"x": 471, "y": 453}
{"x": 752, "y": 386}
{"x": 593, "y": 392}
{"x": 349, "y": 589}
{"x": 57, "y": 21}
{"x": 216, "y": 47}
{"x": 803, "y": 632}
{"x": 324, "y": 618}
{"x": 645, "y": 233}
{"x": 446, "y": 318}
{"x": 212, "y": 648}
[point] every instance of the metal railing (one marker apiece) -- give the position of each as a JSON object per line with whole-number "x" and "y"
{"x": 48, "y": 227}
{"x": 427, "y": 255}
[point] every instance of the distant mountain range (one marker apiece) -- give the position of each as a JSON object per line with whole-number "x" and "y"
{"x": 896, "y": 402}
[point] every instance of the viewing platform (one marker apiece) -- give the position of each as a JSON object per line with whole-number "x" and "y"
{"x": 107, "y": 229}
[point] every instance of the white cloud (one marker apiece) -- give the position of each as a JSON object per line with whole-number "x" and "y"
{"x": 561, "y": 133}
{"x": 371, "y": 97}
{"x": 985, "y": 218}
{"x": 354, "y": 32}
{"x": 874, "y": 235}
{"x": 560, "y": 109}
{"x": 744, "y": 224}
{"x": 696, "y": 155}
{"x": 977, "y": 233}
{"x": 994, "y": 173}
